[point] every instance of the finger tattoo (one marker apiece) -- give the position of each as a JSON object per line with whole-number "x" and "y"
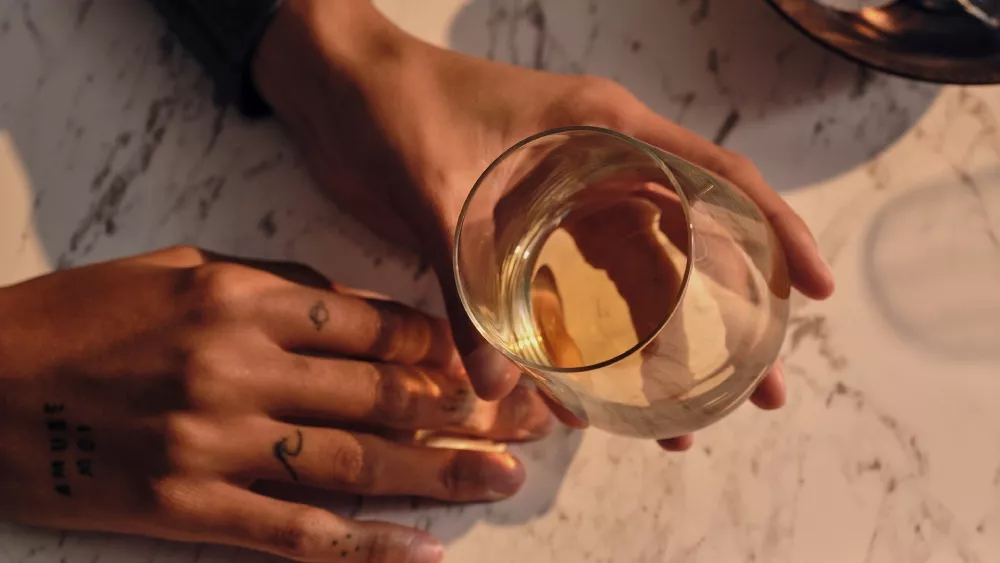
{"x": 282, "y": 452}
{"x": 319, "y": 315}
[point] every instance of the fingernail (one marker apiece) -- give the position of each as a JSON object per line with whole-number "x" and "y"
{"x": 492, "y": 374}
{"x": 826, "y": 264}
{"x": 503, "y": 475}
{"x": 778, "y": 369}
{"x": 425, "y": 549}
{"x": 678, "y": 444}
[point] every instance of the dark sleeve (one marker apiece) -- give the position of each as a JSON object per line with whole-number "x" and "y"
{"x": 223, "y": 35}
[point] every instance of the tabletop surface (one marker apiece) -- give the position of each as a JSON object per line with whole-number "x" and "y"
{"x": 889, "y": 448}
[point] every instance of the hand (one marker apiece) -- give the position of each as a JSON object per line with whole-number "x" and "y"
{"x": 145, "y": 396}
{"x": 397, "y": 131}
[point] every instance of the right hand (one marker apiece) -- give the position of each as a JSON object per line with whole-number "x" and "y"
{"x": 146, "y": 395}
{"x": 397, "y": 131}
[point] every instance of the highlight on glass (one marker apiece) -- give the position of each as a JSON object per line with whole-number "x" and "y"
{"x": 643, "y": 293}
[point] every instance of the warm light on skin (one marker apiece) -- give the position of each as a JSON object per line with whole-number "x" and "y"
{"x": 876, "y": 17}
{"x": 427, "y": 438}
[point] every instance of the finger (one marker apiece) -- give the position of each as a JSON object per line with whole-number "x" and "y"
{"x": 678, "y": 444}
{"x": 394, "y": 396}
{"x": 363, "y": 393}
{"x": 521, "y": 415}
{"x": 302, "y": 318}
{"x": 370, "y": 465}
{"x": 810, "y": 273}
{"x": 291, "y": 271}
{"x": 770, "y": 394}
{"x": 492, "y": 375}
{"x": 230, "y": 515}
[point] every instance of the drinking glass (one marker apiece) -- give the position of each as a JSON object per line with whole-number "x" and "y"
{"x": 644, "y": 294}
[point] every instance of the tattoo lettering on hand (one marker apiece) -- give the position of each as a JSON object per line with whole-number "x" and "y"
{"x": 319, "y": 315}
{"x": 282, "y": 452}
{"x": 83, "y": 468}
{"x": 60, "y": 437}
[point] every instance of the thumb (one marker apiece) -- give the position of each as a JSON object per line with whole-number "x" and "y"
{"x": 493, "y": 376}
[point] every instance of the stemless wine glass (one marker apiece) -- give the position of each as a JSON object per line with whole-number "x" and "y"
{"x": 641, "y": 292}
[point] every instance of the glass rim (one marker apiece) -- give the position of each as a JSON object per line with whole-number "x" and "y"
{"x": 653, "y": 153}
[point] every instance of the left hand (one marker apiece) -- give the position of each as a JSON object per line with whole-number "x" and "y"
{"x": 397, "y": 131}
{"x": 148, "y": 395}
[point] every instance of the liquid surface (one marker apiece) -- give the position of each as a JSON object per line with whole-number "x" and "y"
{"x": 595, "y": 286}
{"x": 642, "y": 293}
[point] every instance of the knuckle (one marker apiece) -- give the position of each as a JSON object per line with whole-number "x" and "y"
{"x": 453, "y": 476}
{"x": 383, "y": 548}
{"x": 735, "y": 164}
{"x": 397, "y": 402}
{"x": 202, "y": 373}
{"x": 214, "y": 288}
{"x": 167, "y": 498}
{"x": 202, "y": 361}
{"x": 479, "y": 423}
{"x": 387, "y": 336}
{"x": 463, "y": 477}
{"x": 355, "y": 469}
{"x": 459, "y": 403}
{"x": 302, "y": 535}
{"x": 183, "y": 438}
{"x": 605, "y": 101}
{"x": 602, "y": 88}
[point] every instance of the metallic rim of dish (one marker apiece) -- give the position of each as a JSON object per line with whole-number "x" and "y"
{"x": 904, "y": 38}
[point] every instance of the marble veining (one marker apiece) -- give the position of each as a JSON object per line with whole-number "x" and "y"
{"x": 888, "y": 449}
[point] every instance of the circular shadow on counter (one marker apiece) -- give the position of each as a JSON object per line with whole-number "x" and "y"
{"x": 932, "y": 262}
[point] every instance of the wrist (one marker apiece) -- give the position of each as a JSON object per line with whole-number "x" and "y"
{"x": 350, "y": 38}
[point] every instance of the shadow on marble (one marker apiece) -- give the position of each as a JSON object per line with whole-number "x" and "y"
{"x": 126, "y": 153}
{"x": 734, "y": 72}
{"x": 932, "y": 264}
{"x": 545, "y": 463}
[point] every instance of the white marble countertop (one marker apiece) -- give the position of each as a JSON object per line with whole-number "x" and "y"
{"x": 889, "y": 449}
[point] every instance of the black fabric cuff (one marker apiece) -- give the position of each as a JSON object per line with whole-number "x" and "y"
{"x": 223, "y": 35}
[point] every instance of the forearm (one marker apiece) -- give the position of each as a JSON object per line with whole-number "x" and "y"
{"x": 255, "y": 48}
{"x": 223, "y": 36}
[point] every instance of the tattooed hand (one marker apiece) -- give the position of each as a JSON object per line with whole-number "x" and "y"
{"x": 146, "y": 395}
